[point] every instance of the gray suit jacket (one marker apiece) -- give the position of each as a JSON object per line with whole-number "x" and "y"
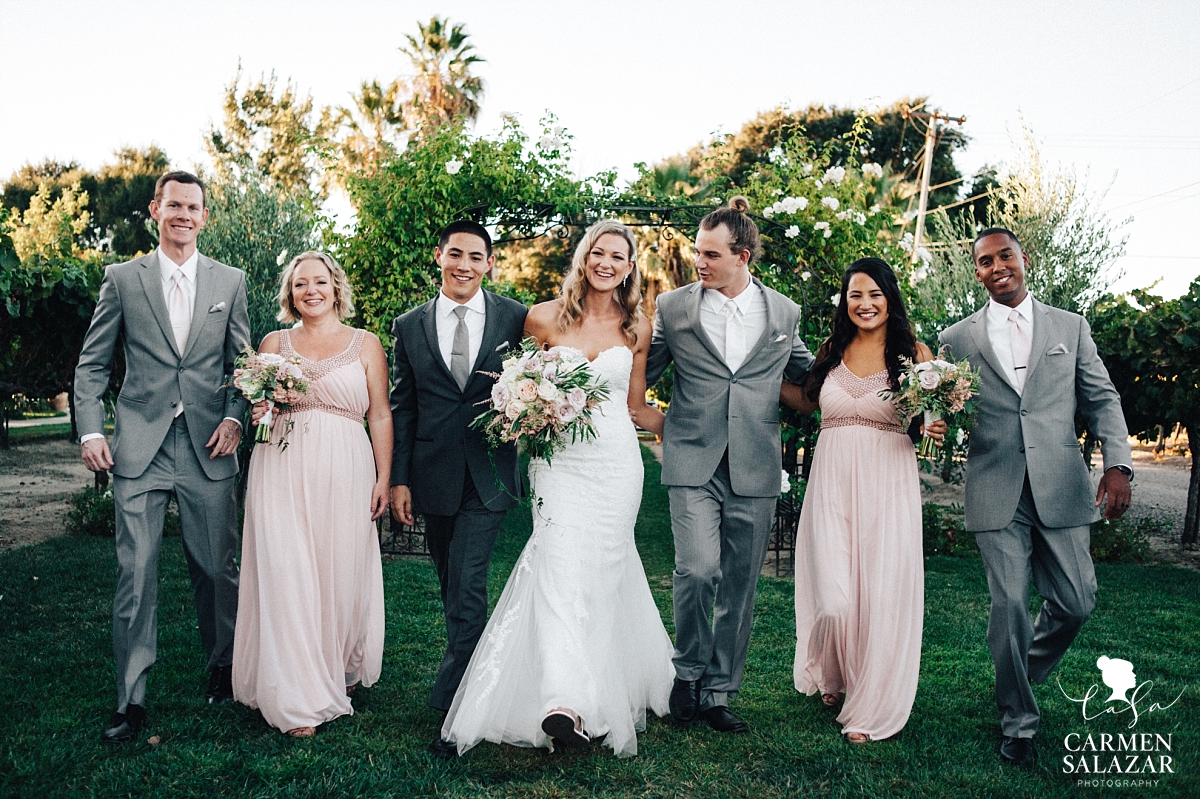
{"x": 1034, "y": 432}
{"x": 132, "y": 310}
{"x": 712, "y": 409}
{"x": 434, "y": 449}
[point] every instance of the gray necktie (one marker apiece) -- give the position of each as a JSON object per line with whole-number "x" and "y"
{"x": 458, "y": 352}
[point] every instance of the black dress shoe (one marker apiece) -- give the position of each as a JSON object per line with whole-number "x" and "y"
{"x": 443, "y": 749}
{"x": 721, "y": 720}
{"x": 685, "y": 700}
{"x": 124, "y": 727}
{"x": 220, "y": 685}
{"x": 1018, "y": 751}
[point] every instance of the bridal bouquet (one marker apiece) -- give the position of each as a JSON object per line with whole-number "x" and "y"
{"x": 269, "y": 377}
{"x": 936, "y": 388}
{"x": 542, "y": 399}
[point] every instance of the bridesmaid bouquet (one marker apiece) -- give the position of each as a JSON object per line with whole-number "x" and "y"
{"x": 542, "y": 398}
{"x": 936, "y": 388}
{"x": 269, "y": 377}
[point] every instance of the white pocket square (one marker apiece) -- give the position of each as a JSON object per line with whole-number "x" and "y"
{"x": 220, "y": 306}
{"x": 781, "y": 338}
{"x": 502, "y": 347}
{"x": 1058, "y": 349}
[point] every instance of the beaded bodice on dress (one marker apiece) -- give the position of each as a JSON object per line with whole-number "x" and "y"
{"x": 332, "y": 387}
{"x": 847, "y": 399}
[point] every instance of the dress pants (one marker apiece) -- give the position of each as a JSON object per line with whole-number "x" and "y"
{"x": 1025, "y": 650}
{"x": 208, "y": 517}
{"x": 720, "y": 544}
{"x": 461, "y": 547}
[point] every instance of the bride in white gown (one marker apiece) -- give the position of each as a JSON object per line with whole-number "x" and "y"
{"x": 575, "y": 650}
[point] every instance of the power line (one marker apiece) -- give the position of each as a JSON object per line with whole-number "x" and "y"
{"x": 1156, "y": 196}
{"x": 1149, "y": 102}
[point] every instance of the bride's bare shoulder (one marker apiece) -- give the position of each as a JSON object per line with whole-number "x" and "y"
{"x": 542, "y": 318}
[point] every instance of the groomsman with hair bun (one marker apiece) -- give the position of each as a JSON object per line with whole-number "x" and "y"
{"x": 1029, "y": 497}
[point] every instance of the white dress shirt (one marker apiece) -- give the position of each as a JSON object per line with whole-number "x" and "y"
{"x": 167, "y": 267}
{"x": 753, "y": 306}
{"x": 446, "y": 322}
{"x": 999, "y": 330}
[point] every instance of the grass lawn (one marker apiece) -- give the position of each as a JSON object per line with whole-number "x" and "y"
{"x": 56, "y": 683}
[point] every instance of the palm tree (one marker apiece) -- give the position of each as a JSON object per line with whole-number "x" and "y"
{"x": 444, "y": 89}
{"x": 374, "y": 127}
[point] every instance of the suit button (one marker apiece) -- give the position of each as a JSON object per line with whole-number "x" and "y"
{"x": 1024, "y": 412}
{"x": 734, "y": 380}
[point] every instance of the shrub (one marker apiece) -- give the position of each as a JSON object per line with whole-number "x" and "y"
{"x": 1127, "y": 540}
{"x": 94, "y": 512}
{"x": 943, "y": 531}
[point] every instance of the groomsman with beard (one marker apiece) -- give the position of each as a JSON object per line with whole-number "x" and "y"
{"x": 440, "y": 467}
{"x": 733, "y": 341}
{"x": 1029, "y": 497}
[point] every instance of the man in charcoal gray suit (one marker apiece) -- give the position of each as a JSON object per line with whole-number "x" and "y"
{"x": 181, "y": 319}
{"x": 732, "y": 340}
{"x": 440, "y": 467}
{"x": 1029, "y": 497}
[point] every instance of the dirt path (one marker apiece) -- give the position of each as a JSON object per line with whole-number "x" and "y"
{"x": 35, "y": 481}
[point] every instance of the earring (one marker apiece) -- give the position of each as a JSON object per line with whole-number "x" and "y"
{"x": 624, "y": 280}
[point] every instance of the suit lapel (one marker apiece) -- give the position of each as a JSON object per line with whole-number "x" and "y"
{"x": 429, "y": 322}
{"x": 694, "y": 323}
{"x": 768, "y": 327}
{"x": 151, "y": 274}
{"x": 979, "y": 332}
{"x": 1041, "y": 337}
{"x": 205, "y": 290}
{"x": 492, "y": 330}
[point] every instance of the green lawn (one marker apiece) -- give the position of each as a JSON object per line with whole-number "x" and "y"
{"x": 57, "y": 687}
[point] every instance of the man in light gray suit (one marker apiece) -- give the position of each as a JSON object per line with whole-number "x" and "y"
{"x": 733, "y": 340}
{"x": 1029, "y": 497}
{"x": 181, "y": 319}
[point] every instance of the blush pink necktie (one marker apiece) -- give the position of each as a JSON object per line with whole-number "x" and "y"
{"x": 181, "y": 318}
{"x": 1021, "y": 344}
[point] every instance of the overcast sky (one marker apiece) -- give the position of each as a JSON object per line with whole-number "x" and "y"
{"x": 1111, "y": 89}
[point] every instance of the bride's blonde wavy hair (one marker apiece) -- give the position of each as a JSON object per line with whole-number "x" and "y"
{"x": 575, "y": 285}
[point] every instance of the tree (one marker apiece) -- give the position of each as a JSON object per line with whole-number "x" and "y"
{"x": 890, "y": 140}
{"x": 49, "y": 228}
{"x": 443, "y": 88}
{"x": 1072, "y": 247}
{"x": 275, "y": 130}
{"x": 445, "y": 175}
{"x": 375, "y": 128}
{"x": 1151, "y": 348}
{"x": 257, "y": 226}
{"x": 119, "y": 196}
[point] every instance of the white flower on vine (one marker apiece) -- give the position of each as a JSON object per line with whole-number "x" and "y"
{"x": 835, "y": 174}
{"x": 806, "y": 276}
{"x": 777, "y": 192}
{"x": 860, "y": 217}
{"x": 830, "y": 202}
{"x": 836, "y": 299}
{"x": 821, "y": 226}
{"x": 918, "y": 275}
{"x": 843, "y": 215}
{"x": 808, "y": 168}
{"x": 906, "y": 243}
{"x": 769, "y": 211}
{"x": 282, "y": 258}
{"x": 453, "y": 165}
{"x": 923, "y": 255}
{"x": 792, "y": 232}
{"x": 874, "y": 210}
{"x": 819, "y": 183}
{"x": 874, "y": 170}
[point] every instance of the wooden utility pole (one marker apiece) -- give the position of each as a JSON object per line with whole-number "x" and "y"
{"x": 926, "y": 166}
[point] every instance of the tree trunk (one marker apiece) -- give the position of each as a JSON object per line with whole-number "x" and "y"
{"x": 1191, "y": 520}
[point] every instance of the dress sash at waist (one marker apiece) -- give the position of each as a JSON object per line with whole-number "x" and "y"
{"x": 316, "y": 405}
{"x": 861, "y": 421}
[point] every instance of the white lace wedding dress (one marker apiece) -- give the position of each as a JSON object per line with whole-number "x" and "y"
{"x": 576, "y": 625}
